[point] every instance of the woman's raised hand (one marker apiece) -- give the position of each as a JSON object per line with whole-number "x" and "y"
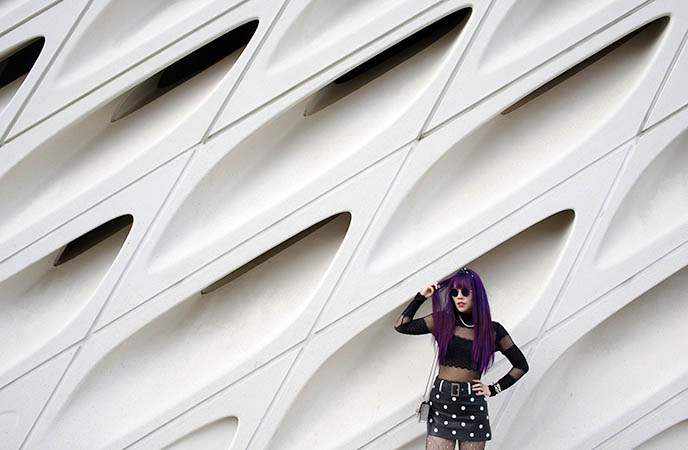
{"x": 429, "y": 289}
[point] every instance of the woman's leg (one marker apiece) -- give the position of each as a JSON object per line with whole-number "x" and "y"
{"x": 471, "y": 445}
{"x": 438, "y": 443}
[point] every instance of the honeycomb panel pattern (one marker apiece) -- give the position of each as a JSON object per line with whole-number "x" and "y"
{"x": 213, "y": 212}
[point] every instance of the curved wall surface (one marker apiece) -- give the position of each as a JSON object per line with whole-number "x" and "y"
{"x": 212, "y": 214}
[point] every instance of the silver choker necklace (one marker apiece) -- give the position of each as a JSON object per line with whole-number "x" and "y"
{"x": 464, "y": 323}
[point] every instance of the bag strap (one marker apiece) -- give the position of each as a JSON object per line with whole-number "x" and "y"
{"x": 432, "y": 371}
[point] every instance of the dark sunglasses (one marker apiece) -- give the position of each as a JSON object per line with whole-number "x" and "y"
{"x": 464, "y": 291}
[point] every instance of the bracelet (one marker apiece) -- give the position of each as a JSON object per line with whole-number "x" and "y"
{"x": 494, "y": 389}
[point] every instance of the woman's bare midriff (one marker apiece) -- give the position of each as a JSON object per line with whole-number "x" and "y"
{"x": 457, "y": 374}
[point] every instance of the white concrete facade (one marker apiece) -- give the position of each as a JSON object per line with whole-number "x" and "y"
{"x": 266, "y": 226}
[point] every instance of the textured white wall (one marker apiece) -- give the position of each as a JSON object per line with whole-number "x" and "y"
{"x": 273, "y": 224}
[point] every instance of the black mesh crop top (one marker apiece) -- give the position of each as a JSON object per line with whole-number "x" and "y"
{"x": 460, "y": 347}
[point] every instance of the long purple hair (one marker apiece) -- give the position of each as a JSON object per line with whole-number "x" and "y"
{"x": 445, "y": 316}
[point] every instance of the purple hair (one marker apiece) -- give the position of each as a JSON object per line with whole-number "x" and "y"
{"x": 445, "y": 317}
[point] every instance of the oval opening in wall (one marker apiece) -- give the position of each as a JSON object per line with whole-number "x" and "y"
{"x": 42, "y": 299}
{"x": 529, "y": 140}
{"x": 536, "y": 252}
{"x": 16, "y": 66}
{"x": 227, "y": 47}
{"x": 93, "y": 238}
{"x": 657, "y": 25}
{"x": 387, "y": 60}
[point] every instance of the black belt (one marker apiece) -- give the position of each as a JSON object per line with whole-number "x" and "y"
{"x": 455, "y": 388}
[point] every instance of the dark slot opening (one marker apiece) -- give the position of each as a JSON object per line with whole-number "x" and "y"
{"x": 387, "y": 60}
{"x": 655, "y": 26}
{"x": 21, "y": 61}
{"x": 185, "y": 68}
{"x": 93, "y": 238}
{"x": 270, "y": 253}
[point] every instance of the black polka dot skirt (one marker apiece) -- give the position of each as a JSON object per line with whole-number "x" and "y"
{"x": 457, "y": 413}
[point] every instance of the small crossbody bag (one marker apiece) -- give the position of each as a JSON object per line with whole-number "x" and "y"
{"x": 423, "y": 409}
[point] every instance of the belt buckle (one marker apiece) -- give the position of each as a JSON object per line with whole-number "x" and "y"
{"x": 458, "y": 389}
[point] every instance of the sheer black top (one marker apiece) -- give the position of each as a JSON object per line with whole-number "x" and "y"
{"x": 459, "y": 349}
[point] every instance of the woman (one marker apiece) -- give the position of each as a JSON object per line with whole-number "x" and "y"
{"x": 466, "y": 338}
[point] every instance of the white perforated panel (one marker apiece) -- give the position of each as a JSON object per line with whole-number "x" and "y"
{"x": 213, "y": 212}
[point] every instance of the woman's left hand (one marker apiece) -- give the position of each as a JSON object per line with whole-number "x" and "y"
{"x": 480, "y": 388}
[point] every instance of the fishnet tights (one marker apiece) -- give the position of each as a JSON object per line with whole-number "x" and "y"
{"x": 471, "y": 445}
{"x": 438, "y": 443}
